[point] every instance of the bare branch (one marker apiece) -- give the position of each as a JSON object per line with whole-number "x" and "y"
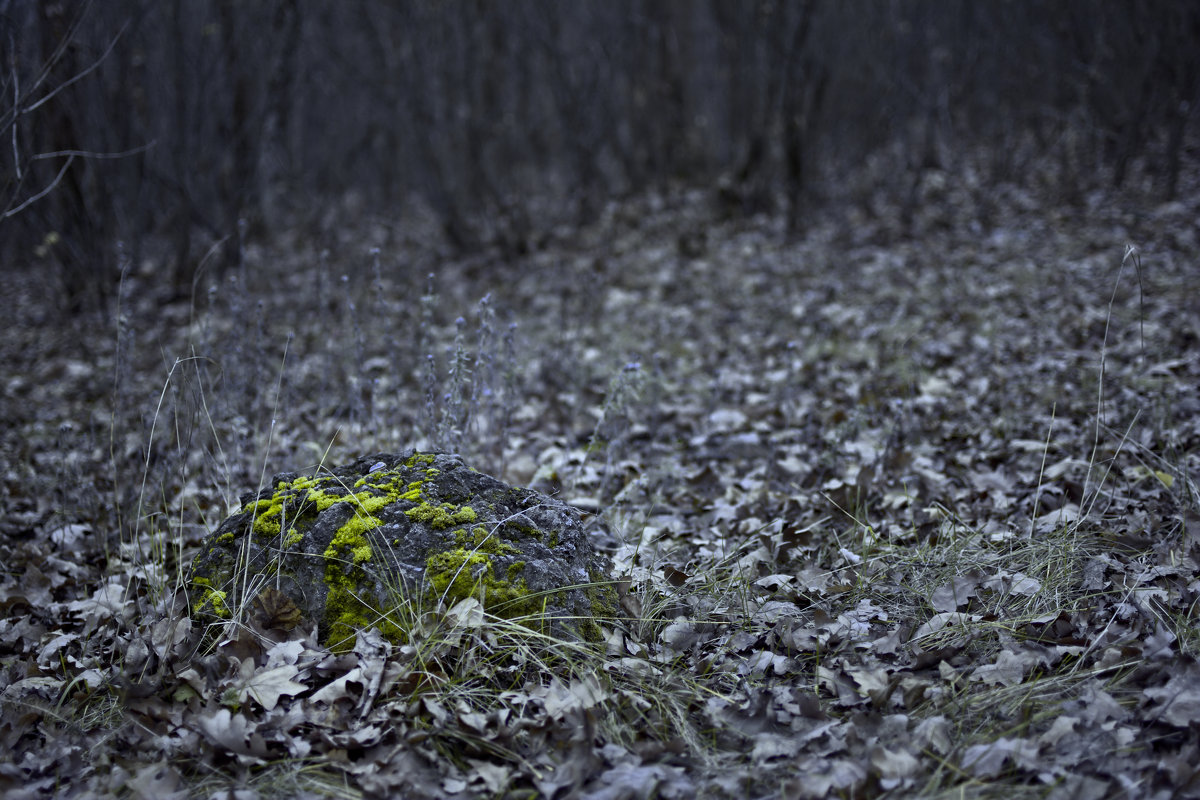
{"x": 79, "y": 76}
{"x": 59, "y": 50}
{"x": 10, "y": 116}
{"x": 16, "y": 103}
{"x": 89, "y": 154}
{"x": 30, "y": 201}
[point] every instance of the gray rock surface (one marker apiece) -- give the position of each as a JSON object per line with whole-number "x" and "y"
{"x": 347, "y": 547}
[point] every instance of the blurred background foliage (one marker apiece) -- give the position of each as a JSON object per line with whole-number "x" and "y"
{"x": 182, "y": 130}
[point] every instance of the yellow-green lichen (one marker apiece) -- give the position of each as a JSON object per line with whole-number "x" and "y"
{"x": 460, "y": 573}
{"x": 269, "y": 514}
{"x": 442, "y": 517}
{"x": 351, "y": 539}
{"x": 350, "y": 548}
{"x": 346, "y": 613}
{"x": 345, "y": 609}
{"x": 421, "y": 458}
{"x": 481, "y": 541}
{"x": 210, "y": 598}
{"x": 266, "y": 519}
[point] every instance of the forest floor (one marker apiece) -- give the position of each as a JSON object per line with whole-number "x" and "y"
{"x": 897, "y": 510}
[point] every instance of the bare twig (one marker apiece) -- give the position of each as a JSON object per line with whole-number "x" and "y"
{"x": 31, "y": 200}
{"x": 78, "y": 76}
{"x": 10, "y": 116}
{"x": 92, "y": 155}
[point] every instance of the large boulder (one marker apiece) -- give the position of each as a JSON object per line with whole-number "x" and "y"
{"x": 364, "y": 544}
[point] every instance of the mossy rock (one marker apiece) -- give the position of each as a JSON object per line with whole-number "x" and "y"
{"x": 364, "y": 544}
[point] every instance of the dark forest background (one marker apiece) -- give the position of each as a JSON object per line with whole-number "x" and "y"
{"x": 182, "y": 130}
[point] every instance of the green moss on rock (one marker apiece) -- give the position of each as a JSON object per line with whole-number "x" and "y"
{"x": 210, "y": 598}
{"x": 351, "y": 545}
{"x": 442, "y": 516}
{"x": 461, "y": 573}
{"x": 480, "y": 540}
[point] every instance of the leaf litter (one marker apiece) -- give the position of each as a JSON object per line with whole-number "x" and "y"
{"x": 890, "y": 518}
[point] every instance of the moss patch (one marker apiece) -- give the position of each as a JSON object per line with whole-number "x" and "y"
{"x": 211, "y": 600}
{"x": 461, "y": 573}
{"x": 480, "y": 540}
{"x": 441, "y": 517}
